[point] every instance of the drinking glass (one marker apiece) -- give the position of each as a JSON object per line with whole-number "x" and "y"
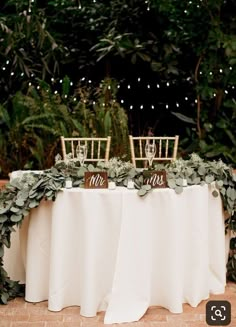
{"x": 150, "y": 151}
{"x": 81, "y": 153}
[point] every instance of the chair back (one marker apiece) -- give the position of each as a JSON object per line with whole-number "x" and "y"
{"x": 98, "y": 148}
{"x": 166, "y": 148}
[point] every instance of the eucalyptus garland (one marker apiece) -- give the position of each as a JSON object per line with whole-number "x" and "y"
{"x": 27, "y": 191}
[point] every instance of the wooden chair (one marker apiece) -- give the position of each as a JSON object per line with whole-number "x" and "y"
{"x": 98, "y": 148}
{"x": 166, "y": 148}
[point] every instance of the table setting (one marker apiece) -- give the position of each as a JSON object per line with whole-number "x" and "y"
{"x": 116, "y": 248}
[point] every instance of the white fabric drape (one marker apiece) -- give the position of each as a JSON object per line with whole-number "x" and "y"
{"x": 116, "y": 251}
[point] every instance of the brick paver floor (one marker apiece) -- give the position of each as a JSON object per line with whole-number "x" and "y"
{"x": 18, "y": 313}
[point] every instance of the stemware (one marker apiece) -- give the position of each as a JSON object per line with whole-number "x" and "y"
{"x": 81, "y": 153}
{"x": 150, "y": 151}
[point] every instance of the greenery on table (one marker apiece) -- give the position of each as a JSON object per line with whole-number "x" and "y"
{"x": 27, "y": 191}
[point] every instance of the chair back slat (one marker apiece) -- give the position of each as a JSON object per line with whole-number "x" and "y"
{"x": 98, "y": 148}
{"x": 167, "y": 148}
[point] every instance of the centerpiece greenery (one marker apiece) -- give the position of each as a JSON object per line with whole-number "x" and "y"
{"x": 28, "y": 189}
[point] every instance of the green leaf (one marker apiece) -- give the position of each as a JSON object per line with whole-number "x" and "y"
{"x": 171, "y": 183}
{"x": 3, "y": 218}
{"x": 209, "y": 179}
{"x": 197, "y": 180}
{"x": 4, "y": 297}
{"x": 20, "y": 202}
{"x": 16, "y": 218}
{"x": 142, "y": 192}
{"x": 14, "y": 209}
{"x": 146, "y": 187}
{"x": 219, "y": 183}
{"x": 178, "y": 189}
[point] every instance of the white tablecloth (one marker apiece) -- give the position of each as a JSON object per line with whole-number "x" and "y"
{"x": 114, "y": 251}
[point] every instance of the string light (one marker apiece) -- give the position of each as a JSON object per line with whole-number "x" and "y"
{"x": 167, "y": 106}
{"x": 221, "y": 70}
{"x": 139, "y": 79}
{"x": 128, "y": 86}
{"x": 55, "y": 92}
{"x": 177, "y": 104}
{"x": 158, "y": 86}
{"x": 74, "y": 99}
{"x": 109, "y": 87}
{"x": 152, "y": 106}
{"x": 131, "y": 107}
{"x": 167, "y": 84}
{"x": 141, "y": 107}
{"x": 7, "y": 62}
{"x": 186, "y": 98}
{"x": 122, "y": 101}
{"x": 148, "y": 86}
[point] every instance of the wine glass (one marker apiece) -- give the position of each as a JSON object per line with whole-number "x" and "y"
{"x": 81, "y": 153}
{"x": 150, "y": 151}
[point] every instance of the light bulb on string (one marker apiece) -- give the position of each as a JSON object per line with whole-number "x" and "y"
{"x": 30, "y": 84}
{"x": 226, "y": 92}
{"x": 152, "y": 106}
{"x": 230, "y": 68}
{"x": 221, "y": 70}
{"x": 158, "y": 86}
{"x": 131, "y": 107}
{"x": 148, "y": 86}
{"x": 55, "y": 92}
{"x": 74, "y": 99}
{"x": 141, "y": 107}
{"x": 71, "y": 83}
{"x": 186, "y": 98}
{"x": 7, "y": 62}
{"x": 139, "y": 79}
{"x": 94, "y": 103}
{"x": 128, "y": 86}
{"x": 38, "y": 87}
{"x": 167, "y": 106}
{"x": 210, "y": 73}
{"x": 121, "y": 101}
{"x": 177, "y": 104}
{"x": 3, "y": 68}
{"x": 167, "y": 84}
{"x": 90, "y": 81}
{"x": 22, "y": 74}
{"x": 109, "y": 87}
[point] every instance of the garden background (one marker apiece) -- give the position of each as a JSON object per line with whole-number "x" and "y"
{"x": 96, "y": 68}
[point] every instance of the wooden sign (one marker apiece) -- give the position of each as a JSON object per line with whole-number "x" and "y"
{"x": 157, "y": 179}
{"x": 96, "y": 179}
